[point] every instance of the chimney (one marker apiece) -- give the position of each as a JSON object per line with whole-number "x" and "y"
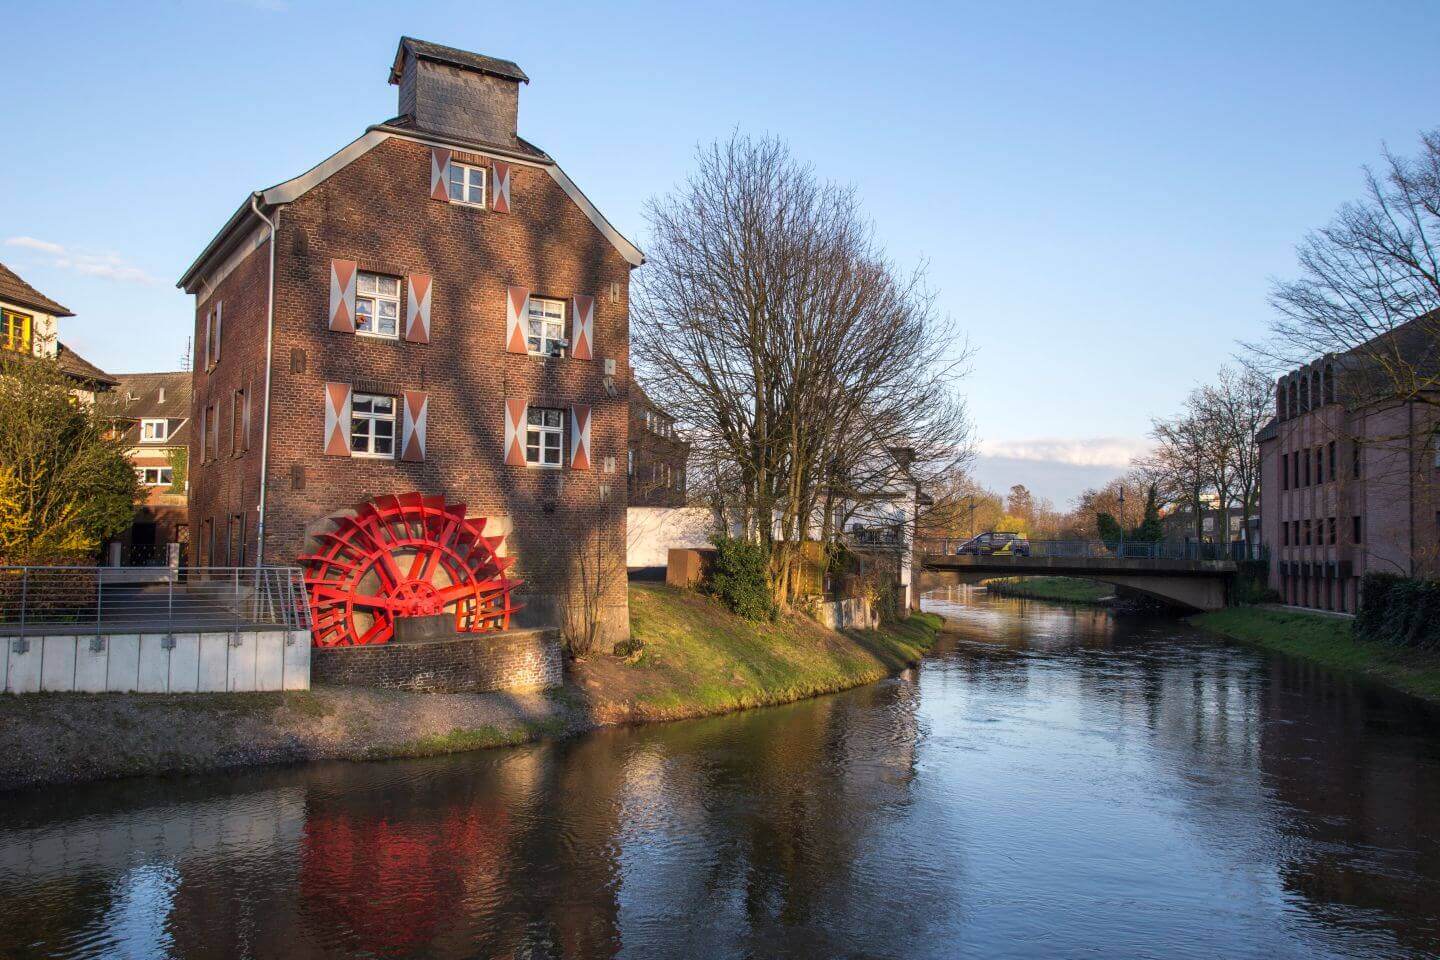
{"x": 458, "y": 94}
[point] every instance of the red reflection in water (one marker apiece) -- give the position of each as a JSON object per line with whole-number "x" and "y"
{"x": 393, "y": 883}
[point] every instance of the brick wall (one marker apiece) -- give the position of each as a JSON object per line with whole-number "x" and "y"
{"x": 515, "y": 661}
{"x": 377, "y": 212}
{"x": 655, "y": 470}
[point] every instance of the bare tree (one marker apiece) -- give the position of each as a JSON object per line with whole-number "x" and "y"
{"x": 798, "y": 358}
{"x": 1181, "y": 464}
{"x": 1232, "y": 410}
{"x": 1369, "y": 287}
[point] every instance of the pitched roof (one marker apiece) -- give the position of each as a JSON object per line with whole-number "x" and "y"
{"x": 74, "y": 365}
{"x": 426, "y": 50}
{"x": 15, "y": 290}
{"x": 139, "y": 397}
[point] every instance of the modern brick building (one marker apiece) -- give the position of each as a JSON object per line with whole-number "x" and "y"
{"x": 657, "y": 456}
{"x": 436, "y": 308}
{"x": 1349, "y": 480}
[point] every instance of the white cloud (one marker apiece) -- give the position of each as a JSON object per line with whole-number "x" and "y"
{"x": 110, "y": 266}
{"x": 1080, "y": 452}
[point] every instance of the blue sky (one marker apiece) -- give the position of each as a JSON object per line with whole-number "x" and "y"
{"x": 1101, "y": 191}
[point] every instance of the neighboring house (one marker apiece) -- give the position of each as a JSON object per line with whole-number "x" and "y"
{"x": 30, "y": 327}
{"x": 657, "y": 456}
{"x": 1349, "y": 479}
{"x": 1179, "y": 525}
{"x": 450, "y": 317}
{"x": 884, "y": 516}
{"x": 153, "y": 411}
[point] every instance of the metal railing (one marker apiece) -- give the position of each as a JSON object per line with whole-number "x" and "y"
{"x": 1092, "y": 549}
{"x": 100, "y": 600}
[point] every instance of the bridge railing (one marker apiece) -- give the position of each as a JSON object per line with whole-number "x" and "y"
{"x": 1097, "y": 549}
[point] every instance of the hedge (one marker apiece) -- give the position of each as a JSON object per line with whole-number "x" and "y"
{"x": 1401, "y": 611}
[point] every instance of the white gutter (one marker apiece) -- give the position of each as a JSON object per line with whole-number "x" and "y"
{"x": 269, "y": 356}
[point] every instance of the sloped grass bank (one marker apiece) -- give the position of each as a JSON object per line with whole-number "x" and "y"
{"x": 694, "y": 658}
{"x": 1328, "y": 641}
{"x": 1056, "y": 589}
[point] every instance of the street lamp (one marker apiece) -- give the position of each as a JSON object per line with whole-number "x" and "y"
{"x": 1122, "y": 520}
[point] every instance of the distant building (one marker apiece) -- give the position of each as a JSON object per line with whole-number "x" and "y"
{"x": 657, "y": 456}
{"x": 153, "y": 412}
{"x": 1349, "y": 479}
{"x": 30, "y": 327}
{"x": 884, "y": 515}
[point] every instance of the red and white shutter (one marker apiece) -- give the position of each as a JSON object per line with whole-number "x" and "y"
{"x": 515, "y": 300}
{"x": 417, "y": 311}
{"x": 209, "y": 332}
{"x": 337, "y": 419}
{"x": 245, "y": 414}
{"x": 583, "y": 309}
{"x": 342, "y": 295}
{"x": 440, "y": 174}
{"x": 412, "y": 425}
{"x": 515, "y": 427}
{"x": 219, "y": 316}
{"x": 580, "y": 437}
{"x": 204, "y": 436}
{"x": 500, "y": 187}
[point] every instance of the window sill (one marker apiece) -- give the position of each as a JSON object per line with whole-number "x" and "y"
{"x": 355, "y": 455}
{"x": 377, "y": 336}
{"x": 545, "y": 466}
{"x": 466, "y": 203}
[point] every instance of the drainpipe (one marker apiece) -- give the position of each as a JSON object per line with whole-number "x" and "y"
{"x": 269, "y": 355}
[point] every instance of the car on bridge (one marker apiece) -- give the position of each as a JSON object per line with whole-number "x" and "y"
{"x": 995, "y": 544}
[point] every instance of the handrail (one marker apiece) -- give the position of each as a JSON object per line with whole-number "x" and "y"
{"x": 1089, "y": 549}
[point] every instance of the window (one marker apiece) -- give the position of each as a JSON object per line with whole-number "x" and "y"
{"x": 1330, "y": 455}
{"x": 238, "y": 440}
{"x": 16, "y": 332}
{"x": 544, "y": 437}
{"x": 1285, "y": 534}
{"x": 154, "y": 476}
{"x": 211, "y": 441}
{"x": 630, "y": 462}
{"x": 467, "y": 184}
{"x": 1305, "y": 531}
{"x": 377, "y": 306}
{"x": 372, "y": 426}
{"x": 1330, "y": 533}
{"x": 1356, "y": 529}
{"x": 1284, "y": 473}
{"x": 547, "y": 326}
{"x": 1355, "y": 461}
{"x": 1307, "y": 466}
{"x": 154, "y": 431}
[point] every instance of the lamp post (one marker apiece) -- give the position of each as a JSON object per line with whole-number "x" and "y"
{"x": 1122, "y": 520}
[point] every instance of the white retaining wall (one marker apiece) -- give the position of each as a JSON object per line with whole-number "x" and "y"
{"x": 157, "y": 662}
{"x": 652, "y": 531}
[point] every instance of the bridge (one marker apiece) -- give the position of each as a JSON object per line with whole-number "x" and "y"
{"x": 1193, "y": 575}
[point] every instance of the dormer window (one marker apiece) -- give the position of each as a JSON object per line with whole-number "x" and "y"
{"x": 546, "y": 320}
{"x": 467, "y": 184}
{"x": 154, "y": 431}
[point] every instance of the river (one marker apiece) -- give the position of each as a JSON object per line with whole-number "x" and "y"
{"x": 1050, "y": 782}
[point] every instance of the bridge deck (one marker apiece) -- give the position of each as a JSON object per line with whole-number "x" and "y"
{"x": 1077, "y": 566}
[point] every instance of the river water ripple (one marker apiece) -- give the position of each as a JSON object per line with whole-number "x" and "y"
{"x": 1049, "y": 783}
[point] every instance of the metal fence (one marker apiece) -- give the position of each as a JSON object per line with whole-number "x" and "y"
{"x": 1094, "y": 549}
{"x": 101, "y": 600}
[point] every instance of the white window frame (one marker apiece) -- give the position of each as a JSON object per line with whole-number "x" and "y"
{"x": 161, "y": 480}
{"x": 149, "y": 433}
{"x": 370, "y": 419}
{"x": 552, "y": 343}
{"x": 543, "y": 438}
{"x": 468, "y": 172}
{"x": 375, "y": 300}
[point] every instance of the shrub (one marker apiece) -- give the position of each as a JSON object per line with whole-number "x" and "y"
{"x": 740, "y": 578}
{"x": 1398, "y": 610}
{"x": 1250, "y": 584}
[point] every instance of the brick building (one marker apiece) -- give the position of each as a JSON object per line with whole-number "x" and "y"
{"x": 152, "y": 411}
{"x": 657, "y": 456}
{"x": 436, "y": 308}
{"x": 1349, "y": 479}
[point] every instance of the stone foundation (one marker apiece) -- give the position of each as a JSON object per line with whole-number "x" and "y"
{"x": 514, "y": 660}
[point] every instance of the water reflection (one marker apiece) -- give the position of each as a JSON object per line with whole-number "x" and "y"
{"x": 1052, "y": 782}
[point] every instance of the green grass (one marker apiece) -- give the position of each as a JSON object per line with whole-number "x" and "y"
{"x": 1059, "y": 589}
{"x": 1328, "y": 642}
{"x": 695, "y": 658}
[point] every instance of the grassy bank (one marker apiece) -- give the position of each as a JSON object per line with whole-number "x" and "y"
{"x": 694, "y": 658}
{"x": 1058, "y": 589}
{"x": 691, "y": 658}
{"x": 1328, "y": 642}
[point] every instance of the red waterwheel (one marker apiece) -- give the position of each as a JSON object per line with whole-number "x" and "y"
{"x": 405, "y": 556}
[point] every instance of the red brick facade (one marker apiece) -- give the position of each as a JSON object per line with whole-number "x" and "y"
{"x": 656, "y": 458}
{"x": 377, "y": 211}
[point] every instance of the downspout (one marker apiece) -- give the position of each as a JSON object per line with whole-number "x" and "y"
{"x": 269, "y": 356}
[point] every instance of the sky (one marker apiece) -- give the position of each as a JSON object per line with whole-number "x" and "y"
{"x": 1101, "y": 193}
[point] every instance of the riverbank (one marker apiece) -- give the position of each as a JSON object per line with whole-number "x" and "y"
{"x": 691, "y": 658}
{"x": 1327, "y": 641}
{"x": 1055, "y": 589}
